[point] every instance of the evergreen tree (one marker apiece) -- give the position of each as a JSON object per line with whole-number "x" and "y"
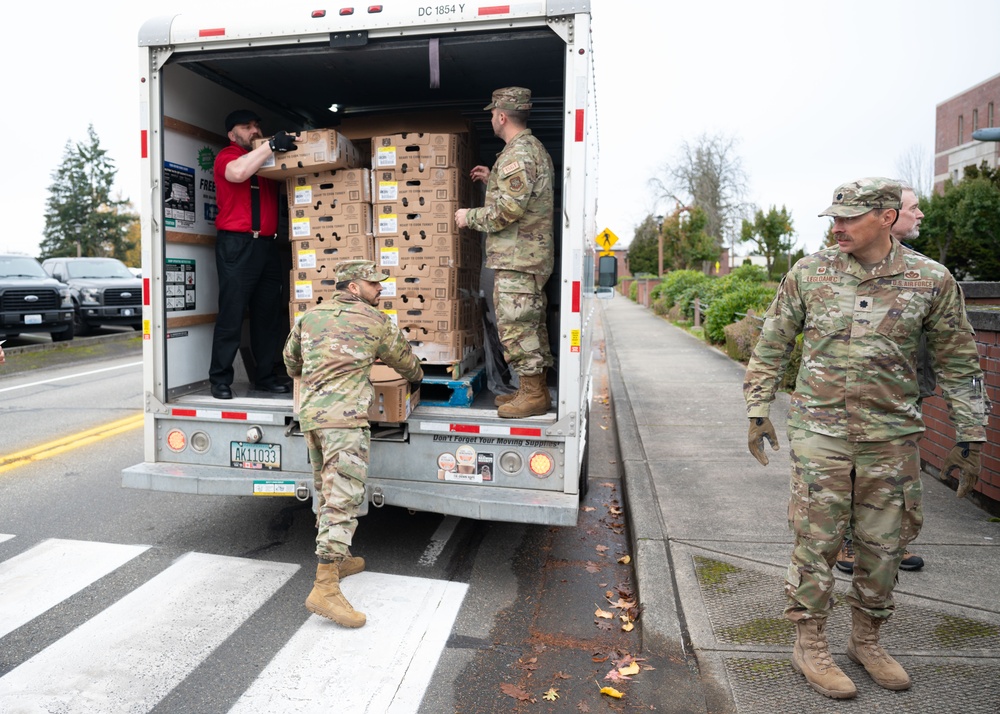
{"x": 82, "y": 216}
{"x": 770, "y": 233}
{"x": 642, "y": 251}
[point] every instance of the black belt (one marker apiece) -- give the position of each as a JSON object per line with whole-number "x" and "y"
{"x": 249, "y": 234}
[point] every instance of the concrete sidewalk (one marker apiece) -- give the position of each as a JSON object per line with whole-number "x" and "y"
{"x": 711, "y": 544}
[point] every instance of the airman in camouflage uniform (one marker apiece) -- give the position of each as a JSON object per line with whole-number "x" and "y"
{"x": 330, "y": 351}
{"x": 862, "y": 308}
{"x": 517, "y": 220}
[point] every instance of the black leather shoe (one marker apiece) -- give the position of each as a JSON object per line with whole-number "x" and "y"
{"x": 272, "y": 387}
{"x": 222, "y": 391}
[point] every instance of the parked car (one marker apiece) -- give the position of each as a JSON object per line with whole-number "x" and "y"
{"x": 31, "y": 301}
{"x": 104, "y": 291}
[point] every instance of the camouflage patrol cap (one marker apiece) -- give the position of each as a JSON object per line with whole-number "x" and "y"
{"x": 856, "y": 198}
{"x": 358, "y": 270}
{"x": 511, "y": 98}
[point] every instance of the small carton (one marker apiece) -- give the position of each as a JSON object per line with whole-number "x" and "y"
{"x": 317, "y": 150}
{"x": 417, "y": 317}
{"x": 352, "y": 219}
{"x": 440, "y": 283}
{"x": 393, "y": 401}
{"x": 420, "y": 188}
{"x": 316, "y": 253}
{"x": 419, "y": 151}
{"x": 443, "y": 347}
{"x": 431, "y": 218}
{"x": 451, "y": 251}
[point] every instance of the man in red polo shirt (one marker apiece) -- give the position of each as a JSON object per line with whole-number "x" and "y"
{"x": 246, "y": 256}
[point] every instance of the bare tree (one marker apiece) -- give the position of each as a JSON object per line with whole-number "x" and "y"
{"x": 708, "y": 173}
{"x": 916, "y": 168}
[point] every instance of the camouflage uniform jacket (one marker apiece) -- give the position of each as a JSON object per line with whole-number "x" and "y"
{"x": 517, "y": 217}
{"x": 331, "y": 349}
{"x": 860, "y": 330}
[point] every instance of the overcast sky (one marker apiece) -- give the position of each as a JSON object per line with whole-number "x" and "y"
{"x": 816, "y": 93}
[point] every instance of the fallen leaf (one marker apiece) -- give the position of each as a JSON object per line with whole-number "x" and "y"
{"x": 608, "y": 484}
{"x": 608, "y": 594}
{"x": 630, "y": 670}
{"x": 598, "y": 658}
{"x": 603, "y": 613}
{"x": 582, "y": 706}
{"x": 612, "y": 692}
{"x": 628, "y": 627}
{"x": 592, "y": 567}
{"x": 563, "y": 675}
{"x": 623, "y": 604}
{"x": 601, "y": 549}
{"x": 615, "y": 511}
{"x": 615, "y": 676}
{"x": 551, "y": 695}
{"x": 516, "y": 692}
{"x": 604, "y": 427}
{"x": 588, "y": 509}
{"x": 625, "y": 559}
{"x": 601, "y": 625}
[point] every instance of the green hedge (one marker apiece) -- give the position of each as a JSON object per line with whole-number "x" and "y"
{"x": 728, "y": 306}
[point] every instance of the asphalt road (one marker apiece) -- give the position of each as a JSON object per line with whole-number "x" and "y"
{"x": 199, "y": 599}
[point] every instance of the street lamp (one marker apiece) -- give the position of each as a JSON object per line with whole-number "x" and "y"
{"x": 76, "y": 230}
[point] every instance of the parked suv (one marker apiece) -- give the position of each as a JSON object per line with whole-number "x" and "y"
{"x": 31, "y": 301}
{"x": 104, "y": 291}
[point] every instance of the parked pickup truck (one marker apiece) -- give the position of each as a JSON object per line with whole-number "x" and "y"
{"x": 104, "y": 291}
{"x": 31, "y": 301}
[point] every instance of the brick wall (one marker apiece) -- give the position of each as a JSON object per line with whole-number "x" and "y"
{"x": 940, "y": 435}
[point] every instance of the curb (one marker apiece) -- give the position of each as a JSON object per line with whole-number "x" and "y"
{"x": 75, "y": 342}
{"x": 663, "y": 630}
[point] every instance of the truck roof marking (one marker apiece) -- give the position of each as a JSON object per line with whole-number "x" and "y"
{"x": 212, "y": 32}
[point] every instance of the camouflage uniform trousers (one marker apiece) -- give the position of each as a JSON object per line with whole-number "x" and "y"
{"x": 881, "y": 501}
{"x": 521, "y": 309}
{"x": 339, "y": 458}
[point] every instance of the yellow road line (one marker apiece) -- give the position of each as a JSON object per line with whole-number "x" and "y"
{"x": 68, "y": 443}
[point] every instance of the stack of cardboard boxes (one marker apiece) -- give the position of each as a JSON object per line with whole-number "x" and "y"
{"x": 419, "y": 180}
{"x": 399, "y": 213}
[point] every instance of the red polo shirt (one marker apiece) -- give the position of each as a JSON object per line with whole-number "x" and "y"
{"x": 233, "y": 199}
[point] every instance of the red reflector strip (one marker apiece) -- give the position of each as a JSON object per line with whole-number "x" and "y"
{"x": 319, "y": 13}
{"x": 495, "y": 10}
{"x": 145, "y": 291}
{"x": 374, "y": 8}
{"x": 579, "y": 125}
{"x": 216, "y": 414}
{"x": 576, "y": 296}
{"x": 241, "y": 416}
{"x": 184, "y": 412}
{"x": 465, "y": 428}
{"x": 515, "y": 431}
{"x": 212, "y": 32}
{"x": 144, "y": 144}
{"x": 477, "y": 429}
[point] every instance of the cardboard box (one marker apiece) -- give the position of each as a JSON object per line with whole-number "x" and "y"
{"x": 417, "y": 317}
{"x": 419, "y": 151}
{"x": 359, "y": 129}
{"x": 318, "y": 150}
{"x": 316, "y": 253}
{"x": 311, "y": 290}
{"x": 445, "y": 348}
{"x": 419, "y": 188}
{"x": 433, "y": 218}
{"x": 353, "y": 219}
{"x": 434, "y": 282}
{"x": 351, "y": 185}
{"x": 452, "y": 251}
{"x": 393, "y": 402}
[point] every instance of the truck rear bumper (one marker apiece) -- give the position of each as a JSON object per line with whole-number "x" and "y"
{"x": 488, "y": 503}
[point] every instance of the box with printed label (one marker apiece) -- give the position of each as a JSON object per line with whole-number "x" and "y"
{"x": 435, "y": 282}
{"x": 311, "y": 289}
{"x": 443, "y": 347}
{"x": 456, "y": 251}
{"x": 317, "y": 150}
{"x": 315, "y": 253}
{"x": 351, "y": 185}
{"x": 420, "y": 188}
{"x": 353, "y": 219}
{"x": 419, "y": 151}
{"x": 393, "y": 401}
{"x": 435, "y": 217}
{"x": 420, "y": 317}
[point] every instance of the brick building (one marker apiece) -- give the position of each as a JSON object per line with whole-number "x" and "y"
{"x": 957, "y": 118}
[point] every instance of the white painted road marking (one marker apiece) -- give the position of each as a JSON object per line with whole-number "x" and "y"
{"x": 4, "y": 536}
{"x": 44, "y": 576}
{"x": 438, "y": 541}
{"x": 71, "y": 376}
{"x": 134, "y": 653}
{"x": 381, "y": 668}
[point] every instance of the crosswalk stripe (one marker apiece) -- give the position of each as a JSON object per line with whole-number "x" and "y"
{"x": 5, "y": 536}
{"x": 383, "y": 667}
{"x": 135, "y": 652}
{"x": 45, "y": 575}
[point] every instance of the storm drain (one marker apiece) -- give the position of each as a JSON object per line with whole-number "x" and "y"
{"x": 744, "y": 607}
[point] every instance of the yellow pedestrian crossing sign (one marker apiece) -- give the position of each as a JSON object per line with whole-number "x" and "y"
{"x": 605, "y": 239}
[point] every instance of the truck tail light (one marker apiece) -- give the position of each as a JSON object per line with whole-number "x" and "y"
{"x": 540, "y": 464}
{"x": 176, "y": 440}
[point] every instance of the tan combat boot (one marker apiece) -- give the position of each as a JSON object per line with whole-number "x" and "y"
{"x": 506, "y": 398}
{"x": 811, "y": 657}
{"x": 532, "y": 399}
{"x": 864, "y": 649}
{"x": 327, "y": 601}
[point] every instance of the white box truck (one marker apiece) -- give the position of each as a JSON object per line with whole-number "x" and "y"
{"x": 304, "y": 67}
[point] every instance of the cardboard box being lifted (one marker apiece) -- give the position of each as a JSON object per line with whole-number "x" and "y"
{"x": 393, "y": 401}
{"x": 317, "y": 150}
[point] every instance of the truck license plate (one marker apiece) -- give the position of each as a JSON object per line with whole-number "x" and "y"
{"x": 32, "y": 319}
{"x": 244, "y": 455}
{"x": 273, "y": 488}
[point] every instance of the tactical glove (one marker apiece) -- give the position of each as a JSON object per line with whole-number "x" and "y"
{"x": 760, "y": 429}
{"x": 282, "y": 141}
{"x": 964, "y": 456}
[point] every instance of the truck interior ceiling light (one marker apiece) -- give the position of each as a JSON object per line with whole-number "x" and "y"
{"x": 540, "y": 464}
{"x": 334, "y": 107}
{"x": 511, "y": 462}
{"x": 176, "y": 440}
{"x": 200, "y": 442}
